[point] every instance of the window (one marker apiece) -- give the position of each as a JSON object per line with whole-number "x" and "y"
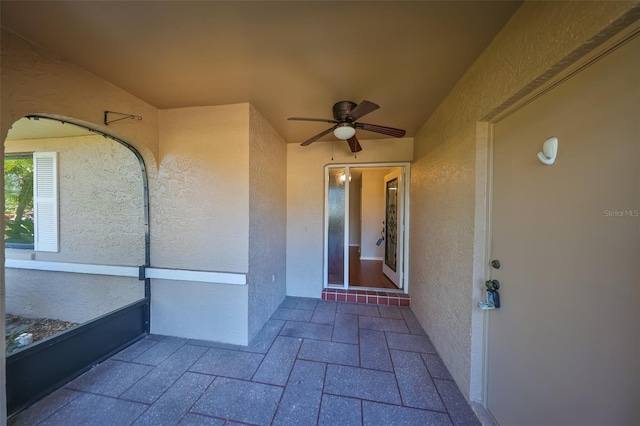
{"x": 31, "y": 201}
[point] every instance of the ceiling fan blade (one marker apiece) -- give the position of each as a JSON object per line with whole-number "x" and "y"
{"x": 390, "y": 131}
{"x": 362, "y": 109}
{"x": 323, "y": 120}
{"x": 318, "y": 136}
{"x": 354, "y": 144}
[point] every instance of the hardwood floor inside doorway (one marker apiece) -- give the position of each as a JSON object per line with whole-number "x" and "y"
{"x": 367, "y": 273}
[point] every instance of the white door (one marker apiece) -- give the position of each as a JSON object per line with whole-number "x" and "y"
{"x": 564, "y": 347}
{"x": 392, "y": 264}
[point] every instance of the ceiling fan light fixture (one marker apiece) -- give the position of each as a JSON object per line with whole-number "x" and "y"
{"x": 344, "y": 131}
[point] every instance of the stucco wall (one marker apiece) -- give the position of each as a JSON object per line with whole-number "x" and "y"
{"x": 35, "y": 81}
{"x": 101, "y": 204}
{"x": 200, "y": 221}
{"x": 68, "y": 297}
{"x": 194, "y": 310}
{"x": 267, "y": 221}
{"x": 305, "y": 202}
{"x": 101, "y": 216}
{"x": 200, "y": 216}
{"x": 448, "y": 187}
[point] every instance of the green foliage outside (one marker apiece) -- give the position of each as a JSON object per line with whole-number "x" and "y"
{"x": 18, "y": 198}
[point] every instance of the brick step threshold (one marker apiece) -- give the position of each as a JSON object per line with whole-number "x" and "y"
{"x": 366, "y": 296}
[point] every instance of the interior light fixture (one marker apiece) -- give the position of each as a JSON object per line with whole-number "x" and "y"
{"x": 344, "y": 131}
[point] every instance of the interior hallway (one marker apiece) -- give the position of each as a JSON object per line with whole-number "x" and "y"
{"x": 367, "y": 273}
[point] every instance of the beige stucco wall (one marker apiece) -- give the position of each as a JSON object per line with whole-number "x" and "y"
{"x": 448, "y": 177}
{"x": 267, "y": 221}
{"x": 200, "y": 221}
{"x": 305, "y": 202}
{"x": 34, "y": 81}
{"x": 101, "y": 216}
{"x": 207, "y": 311}
{"x": 200, "y": 215}
{"x": 101, "y": 203}
{"x": 66, "y": 296}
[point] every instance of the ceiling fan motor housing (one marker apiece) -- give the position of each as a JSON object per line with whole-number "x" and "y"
{"x": 342, "y": 110}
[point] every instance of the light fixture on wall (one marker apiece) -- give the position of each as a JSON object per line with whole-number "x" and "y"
{"x": 344, "y": 131}
{"x": 549, "y": 151}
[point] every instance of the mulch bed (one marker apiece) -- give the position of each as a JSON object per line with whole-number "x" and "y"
{"x": 39, "y": 327}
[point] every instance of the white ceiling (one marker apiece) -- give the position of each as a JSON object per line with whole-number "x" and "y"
{"x": 294, "y": 58}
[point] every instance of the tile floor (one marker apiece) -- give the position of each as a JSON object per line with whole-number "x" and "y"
{"x": 314, "y": 362}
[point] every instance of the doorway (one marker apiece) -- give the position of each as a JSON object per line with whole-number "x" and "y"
{"x": 563, "y": 348}
{"x": 366, "y": 226}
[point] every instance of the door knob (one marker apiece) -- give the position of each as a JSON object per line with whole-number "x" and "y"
{"x": 495, "y": 263}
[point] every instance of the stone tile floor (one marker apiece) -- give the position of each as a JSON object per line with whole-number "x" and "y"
{"x": 314, "y": 362}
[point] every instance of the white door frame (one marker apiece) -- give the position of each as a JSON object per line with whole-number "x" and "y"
{"x": 397, "y": 277}
{"x": 405, "y": 217}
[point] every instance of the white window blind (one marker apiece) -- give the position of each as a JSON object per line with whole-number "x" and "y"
{"x": 45, "y": 201}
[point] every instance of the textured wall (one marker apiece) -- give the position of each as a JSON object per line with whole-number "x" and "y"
{"x": 101, "y": 201}
{"x": 200, "y": 221}
{"x": 200, "y": 214}
{"x": 101, "y": 222}
{"x": 267, "y": 221}
{"x": 305, "y": 202}
{"x": 34, "y": 81}
{"x": 447, "y": 264}
{"x": 68, "y": 297}
{"x": 216, "y": 312}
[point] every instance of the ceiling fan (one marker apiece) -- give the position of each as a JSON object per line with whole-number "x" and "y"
{"x": 345, "y": 114}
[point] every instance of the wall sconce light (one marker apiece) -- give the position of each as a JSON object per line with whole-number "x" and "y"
{"x": 343, "y": 177}
{"x": 549, "y": 151}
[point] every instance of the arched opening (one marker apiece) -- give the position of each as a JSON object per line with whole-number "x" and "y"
{"x": 76, "y": 240}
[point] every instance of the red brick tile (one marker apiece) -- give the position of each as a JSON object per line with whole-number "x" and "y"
{"x": 394, "y": 301}
{"x": 351, "y": 298}
{"x": 383, "y": 300}
{"x": 362, "y": 299}
{"x": 341, "y": 297}
{"x": 331, "y": 296}
{"x": 404, "y": 302}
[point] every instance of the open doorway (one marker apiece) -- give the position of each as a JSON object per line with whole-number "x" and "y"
{"x": 366, "y": 225}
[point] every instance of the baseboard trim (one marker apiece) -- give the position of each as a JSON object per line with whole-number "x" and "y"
{"x": 484, "y": 416}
